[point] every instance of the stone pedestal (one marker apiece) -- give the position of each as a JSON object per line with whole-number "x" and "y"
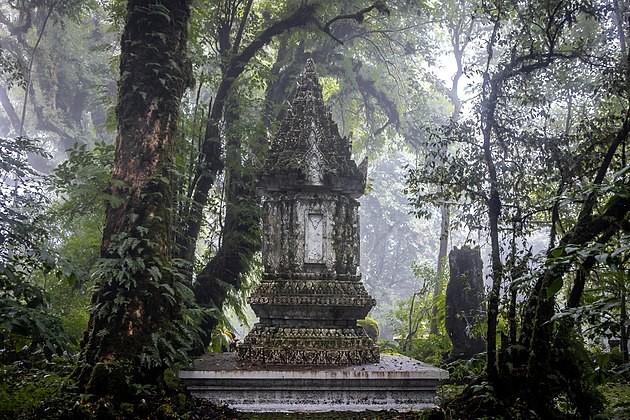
{"x": 393, "y": 383}
{"x": 308, "y": 346}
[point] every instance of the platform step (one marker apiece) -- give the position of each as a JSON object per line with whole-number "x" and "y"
{"x": 395, "y": 383}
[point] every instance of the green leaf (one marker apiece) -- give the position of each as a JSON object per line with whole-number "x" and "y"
{"x": 72, "y": 279}
{"x": 571, "y": 249}
{"x": 601, "y": 258}
{"x": 156, "y": 274}
{"x": 555, "y": 286}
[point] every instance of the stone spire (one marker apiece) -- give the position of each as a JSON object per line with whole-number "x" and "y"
{"x": 311, "y": 295}
{"x": 308, "y": 150}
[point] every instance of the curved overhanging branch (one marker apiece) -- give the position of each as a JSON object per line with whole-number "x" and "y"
{"x": 358, "y": 17}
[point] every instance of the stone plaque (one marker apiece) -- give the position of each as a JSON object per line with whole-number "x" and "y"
{"x": 314, "y": 244}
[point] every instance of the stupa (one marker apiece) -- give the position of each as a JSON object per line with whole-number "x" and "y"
{"x": 311, "y": 294}
{"x": 306, "y": 352}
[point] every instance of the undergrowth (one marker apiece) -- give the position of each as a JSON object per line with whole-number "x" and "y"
{"x": 40, "y": 389}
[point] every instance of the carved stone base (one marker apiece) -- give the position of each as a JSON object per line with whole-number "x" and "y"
{"x": 308, "y": 346}
{"x": 393, "y": 383}
{"x": 311, "y": 303}
{"x": 337, "y": 292}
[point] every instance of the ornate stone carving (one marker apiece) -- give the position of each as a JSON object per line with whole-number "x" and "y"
{"x": 326, "y": 346}
{"x": 311, "y": 293}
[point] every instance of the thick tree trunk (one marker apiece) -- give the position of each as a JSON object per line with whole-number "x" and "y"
{"x": 494, "y": 212}
{"x": 137, "y": 303}
{"x": 240, "y": 235}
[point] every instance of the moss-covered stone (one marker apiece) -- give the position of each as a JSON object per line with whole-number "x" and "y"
{"x": 370, "y": 326}
{"x": 311, "y": 294}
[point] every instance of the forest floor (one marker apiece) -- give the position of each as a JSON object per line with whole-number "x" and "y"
{"x": 40, "y": 390}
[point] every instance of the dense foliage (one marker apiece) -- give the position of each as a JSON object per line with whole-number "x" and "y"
{"x": 537, "y": 153}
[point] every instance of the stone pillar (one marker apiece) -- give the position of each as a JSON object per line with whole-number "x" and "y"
{"x": 311, "y": 294}
{"x": 464, "y": 302}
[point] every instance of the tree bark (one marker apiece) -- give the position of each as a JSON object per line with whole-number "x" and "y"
{"x": 136, "y": 303}
{"x": 9, "y": 109}
{"x": 240, "y": 233}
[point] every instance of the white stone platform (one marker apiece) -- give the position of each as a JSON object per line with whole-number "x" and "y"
{"x": 395, "y": 383}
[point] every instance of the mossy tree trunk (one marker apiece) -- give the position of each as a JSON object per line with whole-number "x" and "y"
{"x": 130, "y": 332}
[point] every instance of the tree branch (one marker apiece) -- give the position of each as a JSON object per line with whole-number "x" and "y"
{"x": 30, "y": 66}
{"x": 9, "y": 109}
{"x": 358, "y": 17}
{"x": 241, "y": 28}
